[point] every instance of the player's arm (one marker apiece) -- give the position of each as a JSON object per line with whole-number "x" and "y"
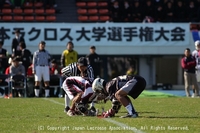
{"x": 90, "y": 74}
{"x": 62, "y": 59}
{"x": 76, "y": 99}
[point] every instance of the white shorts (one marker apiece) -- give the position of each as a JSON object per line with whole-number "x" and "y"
{"x": 71, "y": 91}
{"x": 42, "y": 72}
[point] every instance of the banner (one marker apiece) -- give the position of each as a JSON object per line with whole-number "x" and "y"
{"x": 99, "y": 34}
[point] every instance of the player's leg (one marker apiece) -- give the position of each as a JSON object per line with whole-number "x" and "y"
{"x": 46, "y": 78}
{"x": 121, "y": 95}
{"x": 67, "y": 97}
{"x": 187, "y": 85}
{"x": 38, "y": 77}
{"x": 132, "y": 88}
{"x": 195, "y": 85}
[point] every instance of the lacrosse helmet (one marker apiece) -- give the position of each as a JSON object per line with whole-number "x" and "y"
{"x": 97, "y": 85}
{"x": 197, "y": 43}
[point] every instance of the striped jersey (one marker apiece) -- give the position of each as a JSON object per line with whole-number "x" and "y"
{"x": 75, "y": 84}
{"x": 72, "y": 70}
{"x": 41, "y": 57}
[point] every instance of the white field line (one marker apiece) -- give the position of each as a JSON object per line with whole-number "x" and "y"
{"x": 122, "y": 125}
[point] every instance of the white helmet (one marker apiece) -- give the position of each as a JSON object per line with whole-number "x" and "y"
{"x": 97, "y": 85}
{"x": 197, "y": 43}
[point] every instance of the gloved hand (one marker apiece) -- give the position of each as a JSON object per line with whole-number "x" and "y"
{"x": 70, "y": 112}
{"x": 109, "y": 113}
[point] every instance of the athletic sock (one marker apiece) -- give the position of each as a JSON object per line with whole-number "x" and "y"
{"x": 47, "y": 91}
{"x": 130, "y": 109}
{"x": 67, "y": 100}
{"x": 37, "y": 91}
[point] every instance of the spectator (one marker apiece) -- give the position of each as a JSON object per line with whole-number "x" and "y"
{"x": 2, "y": 2}
{"x": 179, "y": 12}
{"x": 188, "y": 64}
{"x": 137, "y": 12}
{"x": 49, "y": 3}
{"x": 15, "y": 44}
{"x": 55, "y": 69}
{"x": 17, "y": 3}
{"x": 126, "y": 11}
{"x": 94, "y": 61}
{"x": 191, "y": 12}
{"x": 3, "y": 56}
{"x": 116, "y": 12}
{"x": 17, "y": 69}
{"x": 169, "y": 12}
{"x": 41, "y": 64}
{"x": 55, "y": 80}
{"x": 25, "y": 56}
{"x": 149, "y": 9}
{"x": 69, "y": 55}
{"x": 159, "y": 12}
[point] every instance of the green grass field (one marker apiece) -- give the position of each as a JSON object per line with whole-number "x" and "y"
{"x": 160, "y": 115}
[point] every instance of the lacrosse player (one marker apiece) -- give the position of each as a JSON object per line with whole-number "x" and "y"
{"x": 118, "y": 90}
{"x": 79, "y": 90}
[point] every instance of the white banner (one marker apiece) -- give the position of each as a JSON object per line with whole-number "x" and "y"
{"x": 99, "y": 34}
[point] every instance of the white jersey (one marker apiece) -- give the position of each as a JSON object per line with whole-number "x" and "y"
{"x": 196, "y": 54}
{"x": 75, "y": 84}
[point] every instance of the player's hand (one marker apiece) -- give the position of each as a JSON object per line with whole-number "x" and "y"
{"x": 70, "y": 112}
{"x": 33, "y": 72}
{"x": 109, "y": 113}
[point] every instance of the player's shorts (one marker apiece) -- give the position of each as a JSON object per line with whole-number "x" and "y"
{"x": 135, "y": 86}
{"x": 42, "y": 72}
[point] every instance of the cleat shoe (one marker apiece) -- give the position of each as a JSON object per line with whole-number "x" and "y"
{"x": 130, "y": 116}
{"x": 66, "y": 109}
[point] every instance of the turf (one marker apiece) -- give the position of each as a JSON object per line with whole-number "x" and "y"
{"x": 160, "y": 115}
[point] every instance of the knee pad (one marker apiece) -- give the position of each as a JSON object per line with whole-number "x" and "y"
{"x": 116, "y": 105}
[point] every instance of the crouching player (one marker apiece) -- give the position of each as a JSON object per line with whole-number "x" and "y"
{"x": 118, "y": 90}
{"x": 80, "y": 93}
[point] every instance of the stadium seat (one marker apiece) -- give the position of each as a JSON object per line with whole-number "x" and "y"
{"x": 28, "y": 11}
{"x": 39, "y": 18}
{"x": 17, "y": 11}
{"x": 93, "y": 18}
{"x": 28, "y": 5}
{"x": 82, "y": 11}
{"x": 92, "y": 11}
{"x": 18, "y": 82}
{"x": 7, "y": 18}
{"x": 6, "y": 5}
{"x": 80, "y": 4}
{"x": 4, "y": 84}
{"x": 39, "y": 11}
{"x": 6, "y": 11}
{"x": 51, "y": 18}
{"x": 50, "y": 11}
{"x": 18, "y": 18}
{"x": 83, "y": 18}
{"x": 38, "y": 4}
{"x": 91, "y": 4}
{"x": 104, "y": 18}
{"x": 102, "y": 4}
{"x": 103, "y": 11}
{"x": 29, "y": 18}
